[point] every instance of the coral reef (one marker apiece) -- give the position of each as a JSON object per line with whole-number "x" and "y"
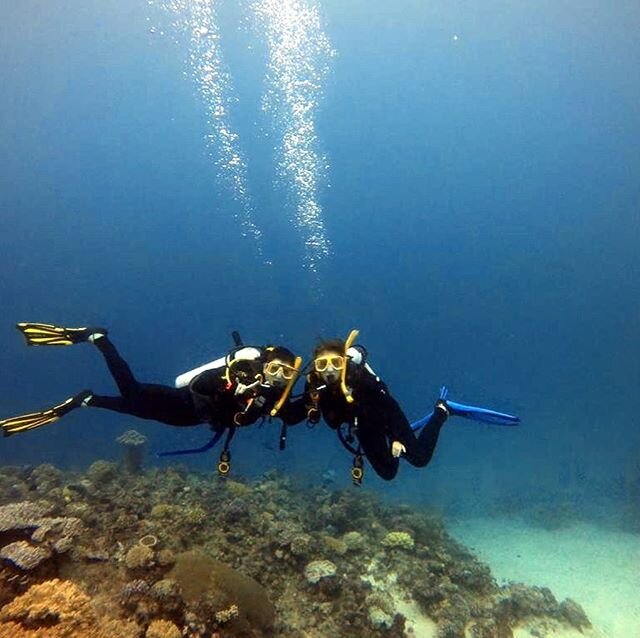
{"x": 354, "y": 541}
{"x": 225, "y": 593}
{"x": 102, "y": 472}
{"x": 398, "y": 540}
{"x": 318, "y": 570}
{"x": 23, "y": 516}
{"x": 31, "y": 539}
{"x": 166, "y": 553}
{"x": 24, "y": 556}
{"x": 133, "y": 445}
{"x": 59, "y": 609}
{"x": 162, "y": 629}
{"x": 139, "y": 557}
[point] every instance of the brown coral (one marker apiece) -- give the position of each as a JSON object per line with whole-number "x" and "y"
{"x": 52, "y": 602}
{"x": 200, "y": 577}
{"x": 139, "y": 557}
{"x": 59, "y": 609}
{"x": 162, "y": 629}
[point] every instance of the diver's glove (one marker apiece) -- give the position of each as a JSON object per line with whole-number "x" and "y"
{"x": 397, "y": 449}
{"x": 241, "y": 388}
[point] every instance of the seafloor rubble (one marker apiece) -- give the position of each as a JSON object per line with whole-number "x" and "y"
{"x": 167, "y": 553}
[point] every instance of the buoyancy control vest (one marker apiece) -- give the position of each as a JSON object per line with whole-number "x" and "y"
{"x": 221, "y": 389}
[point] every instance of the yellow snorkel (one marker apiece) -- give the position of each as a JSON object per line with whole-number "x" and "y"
{"x": 287, "y": 390}
{"x": 343, "y": 381}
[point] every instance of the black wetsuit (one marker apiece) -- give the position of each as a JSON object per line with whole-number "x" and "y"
{"x": 376, "y": 420}
{"x": 209, "y": 398}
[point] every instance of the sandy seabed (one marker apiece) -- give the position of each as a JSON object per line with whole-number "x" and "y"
{"x": 596, "y": 567}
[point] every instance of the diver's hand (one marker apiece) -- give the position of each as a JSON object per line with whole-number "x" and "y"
{"x": 397, "y": 449}
{"x": 241, "y": 388}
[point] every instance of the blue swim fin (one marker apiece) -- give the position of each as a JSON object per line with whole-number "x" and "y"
{"x": 484, "y": 415}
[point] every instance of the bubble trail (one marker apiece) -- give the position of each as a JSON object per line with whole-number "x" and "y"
{"x": 197, "y": 21}
{"x": 298, "y": 63}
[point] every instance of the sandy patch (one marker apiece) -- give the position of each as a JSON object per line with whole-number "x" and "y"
{"x": 597, "y": 568}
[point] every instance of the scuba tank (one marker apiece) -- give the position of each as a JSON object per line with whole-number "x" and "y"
{"x": 240, "y": 357}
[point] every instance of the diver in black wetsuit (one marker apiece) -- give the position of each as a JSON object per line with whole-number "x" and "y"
{"x": 233, "y": 391}
{"x": 343, "y": 389}
{"x": 374, "y": 419}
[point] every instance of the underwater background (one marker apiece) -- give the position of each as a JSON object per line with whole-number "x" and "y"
{"x": 459, "y": 181}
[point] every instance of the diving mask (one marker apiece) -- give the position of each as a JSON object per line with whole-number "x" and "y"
{"x": 335, "y": 361}
{"x": 278, "y": 373}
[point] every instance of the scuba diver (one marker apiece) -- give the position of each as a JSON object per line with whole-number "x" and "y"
{"x": 236, "y": 390}
{"x": 343, "y": 389}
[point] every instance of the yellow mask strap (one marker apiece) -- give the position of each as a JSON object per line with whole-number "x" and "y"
{"x": 343, "y": 381}
{"x": 287, "y": 390}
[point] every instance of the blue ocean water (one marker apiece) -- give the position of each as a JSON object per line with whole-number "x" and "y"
{"x": 475, "y": 177}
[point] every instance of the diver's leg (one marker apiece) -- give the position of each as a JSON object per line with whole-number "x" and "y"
{"x": 35, "y": 420}
{"x": 119, "y": 368}
{"x": 419, "y": 451}
{"x": 375, "y": 447}
{"x": 165, "y": 404}
{"x": 46, "y": 334}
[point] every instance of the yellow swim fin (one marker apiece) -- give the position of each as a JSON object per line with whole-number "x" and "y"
{"x": 38, "y": 419}
{"x": 45, "y": 334}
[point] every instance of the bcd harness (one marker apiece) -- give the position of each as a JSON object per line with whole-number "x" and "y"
{"x": 249, "y": 378}
{"x": 357, "y": 467}
{"x": 239, "y": 420}
{"x": 346, "y": 438}
{"x": 245, "y": 364}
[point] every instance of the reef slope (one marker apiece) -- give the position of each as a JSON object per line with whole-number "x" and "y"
{"x": 169, "y": 553}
